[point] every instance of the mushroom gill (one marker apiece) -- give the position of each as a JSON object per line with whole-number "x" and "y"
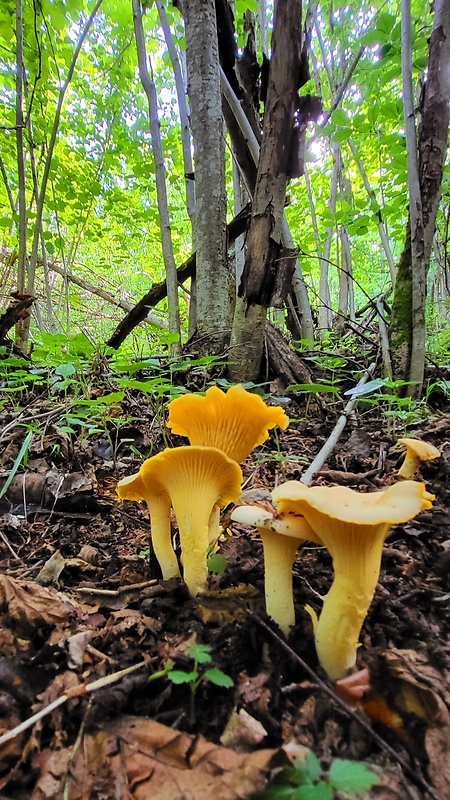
{"x": 197, "y": 480}
{"x": 235, "y": 421}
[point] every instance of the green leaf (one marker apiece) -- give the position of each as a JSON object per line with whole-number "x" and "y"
{"x": 351, "y": 777}
{"x": 304, "y": 770}
{"x": 178, "y": 676}
{"x": 217, "y": 563}
{"x": 65, "y": 370}
{"x": 314, "y": 388}
{"x": 319, "y": 791}
{"x": 200, "y": 653}
{"x": 339, "y": 117}
{"x": 218, "y": 677}
{"x": 341, "y": 135}
{"x": 370, "y": 38}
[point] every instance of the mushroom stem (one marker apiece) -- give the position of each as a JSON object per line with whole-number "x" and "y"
{"x": 214, "y": 526}
{"x": 159, "y": 510}
{"x": 193, "y": 520}
{"x": 279, "y": 557}
{"x": 410, "y": 466}
{"x": 345, "y": 608}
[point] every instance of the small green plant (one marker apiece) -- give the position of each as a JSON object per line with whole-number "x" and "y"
{"x": 201, "y": 656}
{"x": 304, "y": 779}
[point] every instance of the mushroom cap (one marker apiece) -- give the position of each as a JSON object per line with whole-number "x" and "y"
{"x": 424, "y": 450}
{"x": 292, "y": 525}
{"x": 353, "y": 527}
{"x": 235, "y": 421}
{"x": 131, "y": 487}
{"x": 398, "y": 503}
{"x": 188, "y": 472}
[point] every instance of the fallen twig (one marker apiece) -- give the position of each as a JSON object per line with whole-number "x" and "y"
{"x": 75, "y": 691}
{"x": 330, "y": 444}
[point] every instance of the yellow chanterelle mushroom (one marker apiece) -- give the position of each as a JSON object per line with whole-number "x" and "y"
{"x": 353, "y": 527}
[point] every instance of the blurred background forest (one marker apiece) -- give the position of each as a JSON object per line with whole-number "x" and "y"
{"x": 96, "y": 207}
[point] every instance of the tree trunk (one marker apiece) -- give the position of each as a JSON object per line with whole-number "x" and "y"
{"x": 425, "y": 169}
{"x": 160, "y": 177}
{"x": 24, "y": 325}
{"x": 202, "y": 60}
{"x": 264, "y": 238}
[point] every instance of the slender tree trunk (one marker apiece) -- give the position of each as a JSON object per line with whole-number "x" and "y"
{"x": 425, "y": 168}
{"x": 160, "y": 176}
{"x": 32, "y": 263}
{"x": 418, "y": 261}
{"x": 380, "y": 224}
{"x": 325, "y": 310}
{"x": 202, "y": 61}
{"x": 186, "y": 146}
{"x": 24, "y": 325}
{"x": 264, "y": 238}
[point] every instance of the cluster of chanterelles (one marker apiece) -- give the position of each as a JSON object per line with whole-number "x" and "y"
{"x": 200, "y": 479}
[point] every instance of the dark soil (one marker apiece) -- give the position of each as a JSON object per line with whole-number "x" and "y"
{"x": 123, "y": 613}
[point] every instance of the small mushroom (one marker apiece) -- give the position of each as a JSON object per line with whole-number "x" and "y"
{"x": 235, "y": 421}
{"x": 353, "y": 527}
{"x": 198, "y": 480}
{"x": 281, "y": 538}
{"x": 138, "y": 487}
{"x": 416, "y": 451}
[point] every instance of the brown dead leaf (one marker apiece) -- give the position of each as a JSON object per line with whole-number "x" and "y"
{"x": 26, "y": 606}
{"x": 242, "y": 732}
{"x": 416, "y": 688}
{"x": 136, "y": 759}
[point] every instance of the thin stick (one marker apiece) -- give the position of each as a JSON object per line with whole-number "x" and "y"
{"x": 330, "y": 444}
{"x": 415, "y": 776}
{"x": 75, "y": 691}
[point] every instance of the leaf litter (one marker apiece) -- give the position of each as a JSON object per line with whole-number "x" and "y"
{"x": 81, "y": 601}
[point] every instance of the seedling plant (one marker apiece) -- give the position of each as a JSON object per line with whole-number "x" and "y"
{"x": 305, "y": 780}
{"x": 201, "y": 656}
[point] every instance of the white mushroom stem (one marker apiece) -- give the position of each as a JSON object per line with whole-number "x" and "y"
{"x": 281, "y": 536}
{"x": 159, "y": 510}
{"x": 279, "y": 557}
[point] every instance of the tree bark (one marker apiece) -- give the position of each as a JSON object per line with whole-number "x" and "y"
{"x": 425, "y": 170}
{"x": 24, "y": 323}
{"x": 264, "y": 238}
{"x": 160, "y": 177}
{"x": 202, "y": 60}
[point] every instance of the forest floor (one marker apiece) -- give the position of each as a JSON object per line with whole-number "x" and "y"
{"x": 80, "y": 600}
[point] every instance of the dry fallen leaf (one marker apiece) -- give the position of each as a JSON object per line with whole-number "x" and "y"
{"x": 425, "y": 692}
{"x": 27, "y": 606}
{"x": 242, "y": 732}
{"x": 136, "y": 759}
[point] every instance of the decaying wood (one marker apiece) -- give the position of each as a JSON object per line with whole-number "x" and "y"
{"x": 15, "y": 312}
{"x": 286, "y": 364}
{"x": 265, "y": 230}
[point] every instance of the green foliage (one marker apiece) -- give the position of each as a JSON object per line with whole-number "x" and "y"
{"x": 21, "y": 456}
{"x": 305, "y": 780}
{"x": 201, "y": 655}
